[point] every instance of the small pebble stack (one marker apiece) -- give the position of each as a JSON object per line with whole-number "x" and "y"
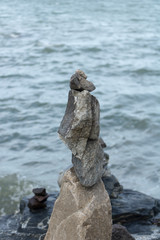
{"x": 39, "y": 199}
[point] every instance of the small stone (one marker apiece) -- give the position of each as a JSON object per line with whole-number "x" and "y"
{"x": 103, "y": 144}
{"x": 80, "y": 213}
{"x": 133, "y": 205}
{"x": 39, "y": 191}
{"x": 61, "y": 174}
{"x": 119, "y": 232}
{"x": 34, "y": 204}
{"x": 78, "y": 82}
{"x": 41, "y": 198}
{"x": 105, "y": 161}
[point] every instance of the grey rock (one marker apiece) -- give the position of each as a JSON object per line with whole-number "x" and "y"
{"x": 89, "y": 168}
{"x": 133, "y": 206}
{"x": 78, "y": 82}
{"x": 106, "y": 171}
{"x": 76, "y": 124}
{"x": 95, "y": 129}
{"x": 112, "y": 186}
{"x": 105, "y": 161}
{"x": 103, "y": 144}
{"x": 119, "y": 232}
{"x": 80, "y": 122}
{"x": 129, "y": 209}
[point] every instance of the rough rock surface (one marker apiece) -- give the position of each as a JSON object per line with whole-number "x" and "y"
{"x": 90, "y": 168}
{"x": 80, "y": 213}
{"x": 133, "y": 206}
{"x": 112, "y": 186}
{"x": 119, "y": 232}
{"x": 80, "y": 122}
{"x": 79, "y": 129}
{"x": 79, "y": 82}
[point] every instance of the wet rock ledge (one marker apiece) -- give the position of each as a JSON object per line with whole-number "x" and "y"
{"x": 139, "y": 213}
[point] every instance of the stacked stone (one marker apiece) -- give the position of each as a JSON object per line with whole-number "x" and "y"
{"x": 83, "y": 210}
{"x": 79, "y": 129}
{"x": 39, "y": 199}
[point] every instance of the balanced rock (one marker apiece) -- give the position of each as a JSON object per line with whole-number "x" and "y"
{"x": 38, "y": 201}
{"x": 80, "y": 213}
{"x": 89, "y": 168}
{"x": 79, "y": 82}
{"x": 80, "y": 122}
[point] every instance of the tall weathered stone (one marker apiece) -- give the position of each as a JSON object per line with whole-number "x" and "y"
{"x": 80, "y": 213}
{"x": 76, "y": 125}
{"x": 80, "y": 122}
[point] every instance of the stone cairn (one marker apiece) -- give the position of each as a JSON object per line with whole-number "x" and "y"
{"x": 82, "y": 210}
{"x": 39, "y": 199}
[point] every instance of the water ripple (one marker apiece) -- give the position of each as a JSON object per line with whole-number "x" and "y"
{"x": 117, "y": 44}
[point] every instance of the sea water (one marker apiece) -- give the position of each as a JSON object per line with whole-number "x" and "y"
{"x": 42, "y": 43}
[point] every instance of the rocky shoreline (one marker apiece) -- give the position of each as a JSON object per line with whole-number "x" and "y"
{"x": 138, "y": 212}
{"x": 91, "y": 204}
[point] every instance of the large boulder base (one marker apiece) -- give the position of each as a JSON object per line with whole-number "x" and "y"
{"x": 80, "y": 213}
{"x": 27, "y": 225}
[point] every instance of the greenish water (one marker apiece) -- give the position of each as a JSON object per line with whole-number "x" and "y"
{"x": 42, "y": 43}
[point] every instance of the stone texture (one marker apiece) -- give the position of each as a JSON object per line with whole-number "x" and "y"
{"x": 95, "y": 128}
{"x": 89, "y": 168}
{"x": 103, "y": 144}
{"x": 134, "y": 206}
{"x": 78, "y": 82}
{"x": 76, "y": 124}
{"x": 80, "y": 213}
{"x": 26, "y": 224}
{"x": 112, "y": 186}
{"x": 119, "y": 232}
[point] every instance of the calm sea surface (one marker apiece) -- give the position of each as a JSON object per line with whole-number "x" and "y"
{"x": 42, "y": 43}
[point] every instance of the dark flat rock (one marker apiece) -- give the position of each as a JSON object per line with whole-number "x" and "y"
{"x": 138, "y": 212}
{"x": 27, "y": 225}
{"x": 112, "y": 186}
{"x": 132, "y": 205}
